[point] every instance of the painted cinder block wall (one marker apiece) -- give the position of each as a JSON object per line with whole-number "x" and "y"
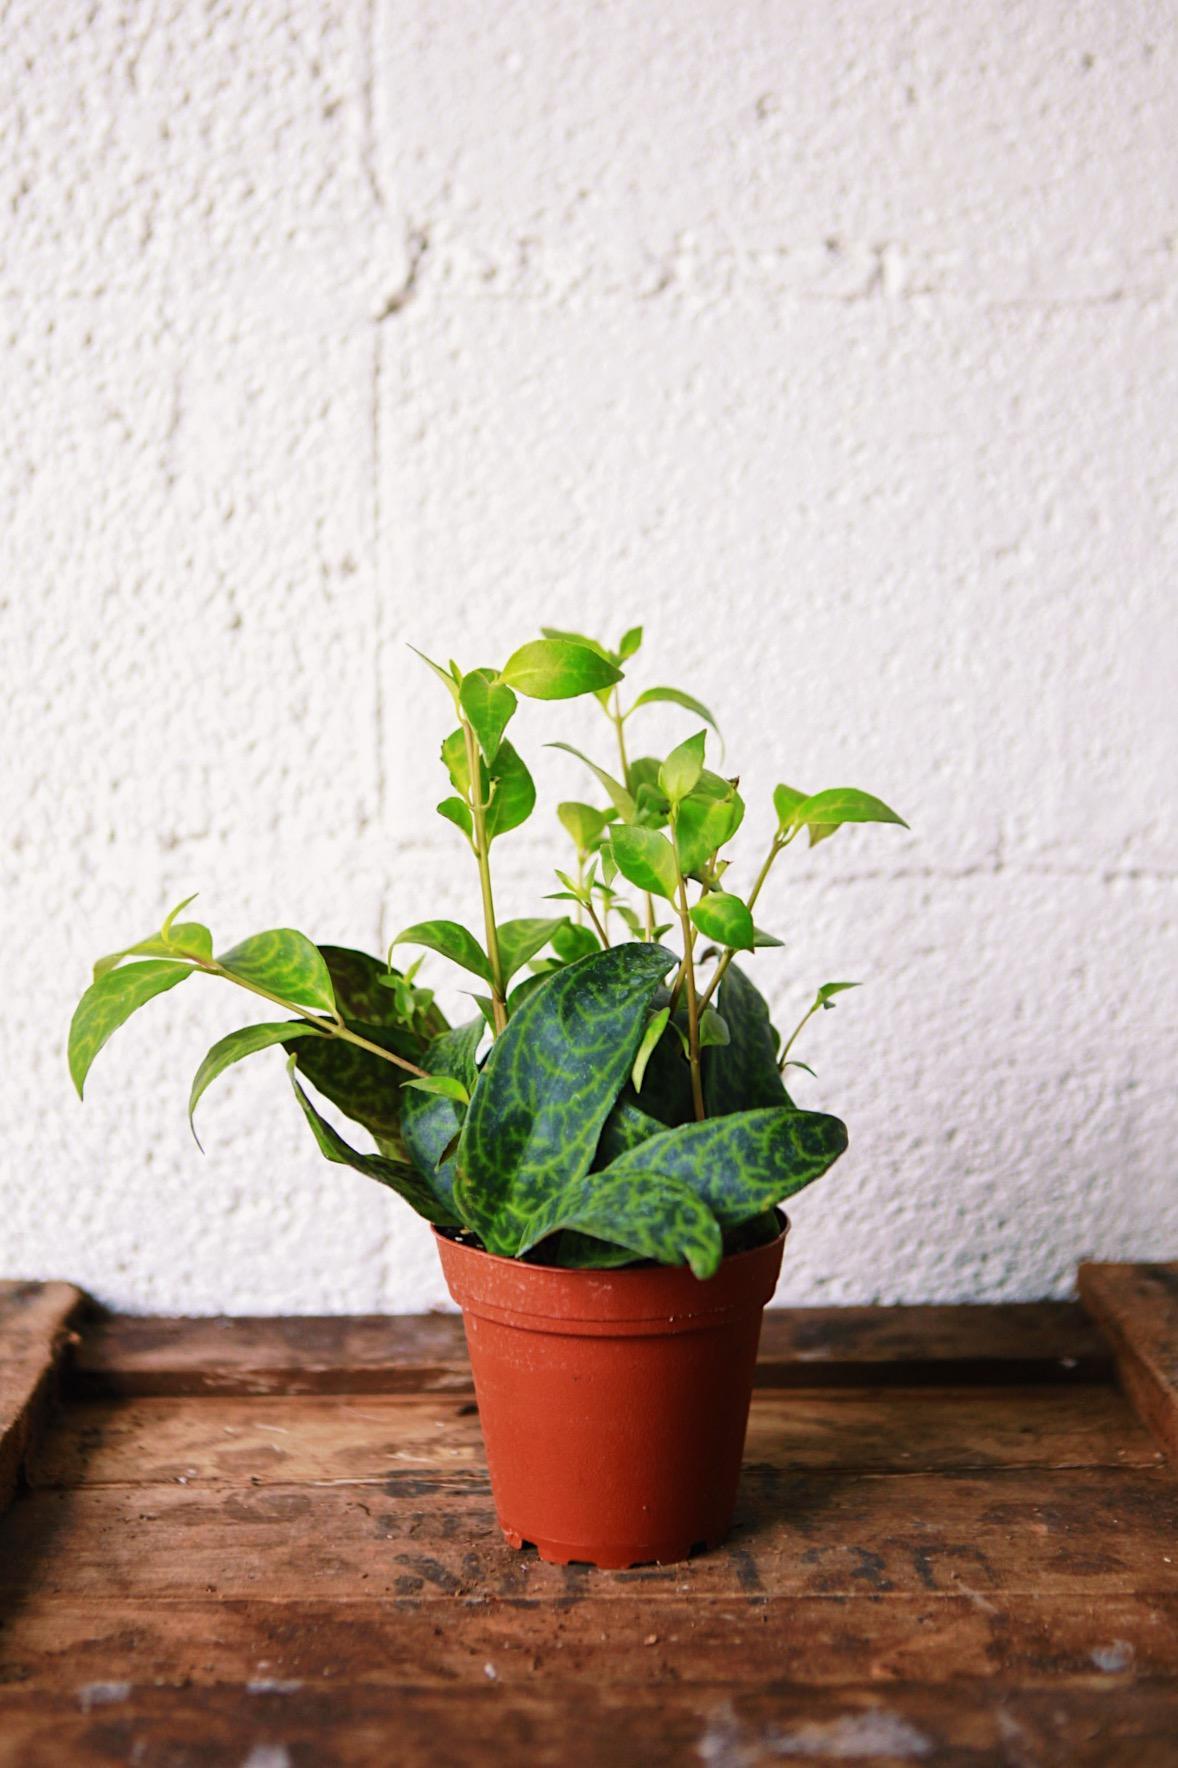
{"x": 834, "y": 339}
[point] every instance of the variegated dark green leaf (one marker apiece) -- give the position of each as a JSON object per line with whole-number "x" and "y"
{"x": 741, "y": 1075}
{"x": 287, "y": 964}
{"x": 398, "y": 1175}
{"x": 740, "y": 1165}
{"x": 110, "y": 1002}
{"x": 547, "y": 1087}
{"x": 626, "y": 1126}
{"x": 430, "y": 1125}
{"x": 366, "y": 1088}
{"x": 653, "y": 1214}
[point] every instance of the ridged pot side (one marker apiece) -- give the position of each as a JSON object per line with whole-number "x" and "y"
{"x": 613, "y": 1403}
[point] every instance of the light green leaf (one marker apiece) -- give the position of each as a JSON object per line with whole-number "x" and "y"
{"x": 109, "y": 1003}
{"x": 739, "y": 1165}
{"x": 457, "y": 763}
{"x": 646, "y": 858}
{"x": 521, "y": 940}
{"x": 172, "y": 914}
{"x": 241, "y": 1043}
{"x": 650, "y": 1037}
{"x": 452, "y": 941}
{"x": 185, "y": 939}
{"x": 579, "y": 638}
{"x": 824, "y": 997}
{"x": 631, "y": 642}
{"x": 456, "y": 811}
{"x": 619, "y": 797}
{"x": 675, "y": 697}
{"x": 785, "y": 802}
{"x": 571, "y": 942}
{"x": 713, "y": 1029}
{"x": 512, "y": 793}
{"x": 842, "y": 804}
{"x": 583, "y": 822}
{"x": 546, "y": 1089}
{"x": 704, "y": 823}
{"x": 488, "y": 705}
{"x": 398, "y": 1175}
{"x": 558, "y": 669}
{"x": 725, "y": 919}
{"x": 442, "y": 1086}
{"x": 449, "y": 680}
{"x": 287, "y": 964}
{"x": 680, "y": 772}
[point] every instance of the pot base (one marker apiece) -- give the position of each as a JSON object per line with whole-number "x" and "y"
{"x": 611, "y": 1558}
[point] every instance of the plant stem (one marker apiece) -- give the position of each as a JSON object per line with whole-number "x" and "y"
{"x": 478, "y": 812}
{"x": 330, "y": 1027}
{"x": 619, "y": 723}
{"x": 793, "y": 1036}
{"x": 776, "y": 847}
{"x": 598, "y": 925}
{"x": 693, "y": 1010}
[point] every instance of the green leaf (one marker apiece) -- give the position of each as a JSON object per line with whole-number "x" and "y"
{"x": 488, "y": 705}
{"x": 170, "y": 917}
{"x": 785, "y": 801}
{"x": 762, "y": 939}
{"x": 725, "y": 919}
{"x": 824, "y": 997}
{"x": 109, "y": 1003}
{"x": 680, "y": 772}
{"x": 287, "y": 964}
{"x": 512, "y": 792}
{"x": 742, "y": 1075}
{"x": 442, "y": 1086}
{"x": 521, "y": 940}
{"x": 231, "y": 1049}
{"x": 650, "y": 1037}
{"x": 841, "y": 804}
{"x": 547, "y": 1087}
{"x": 647, "y": 859}
{"x": 675, "y": 697}
{"x": 583, "y": 822}
{"x": 364, "y": 1086}
{"x": 448, "y": 680}
{"x": 185, "y": 939}
{"x": 579, "y": 638}
{"x": 704, "y": 823}
{"x": 450, "y": 939}
{"x": 430, "y": 1125}
{"x": 626, "y": 1126}
{"x": 794, "y": 1063}
{"x": 738, "y": 1165}
{"x": 457, "y": 763}
{"x": 558, "y": 669}
{"x": 631, "y": 641}
{"x": 398, "y": 1175}
{"x": 656, "y": 1216}
{"x": 713, "y": 1029}
{"x": 457, "y": 811}
{"x": 619, "y": 797}
{"x": 571, "y": 942}
{"x": 362, "y": 987}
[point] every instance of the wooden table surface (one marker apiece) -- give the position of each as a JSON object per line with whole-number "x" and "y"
{"x": 271, "y": 1544}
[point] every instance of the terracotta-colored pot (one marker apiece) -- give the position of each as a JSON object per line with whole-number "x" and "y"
{"x": 613, "y": 1403}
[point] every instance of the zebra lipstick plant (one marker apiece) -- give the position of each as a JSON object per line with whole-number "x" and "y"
{"x": 603, "y": 1148}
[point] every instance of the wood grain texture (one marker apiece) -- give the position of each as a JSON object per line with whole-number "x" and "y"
{"x": 34, "y": 1328}
{"x": 1040, "y": 1341}
{"x": 555, "y": 1724}
{"x": 1137, "y": 1307}
{"x": 272, "y": 1542}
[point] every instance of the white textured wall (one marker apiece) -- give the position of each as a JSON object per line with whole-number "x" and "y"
{"x": 835, "y": 338}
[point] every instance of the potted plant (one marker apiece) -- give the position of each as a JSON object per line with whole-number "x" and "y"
{"x": 603, "y": 1147}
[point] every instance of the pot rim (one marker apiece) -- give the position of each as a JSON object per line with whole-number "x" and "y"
{"x": 630, "y": 1300}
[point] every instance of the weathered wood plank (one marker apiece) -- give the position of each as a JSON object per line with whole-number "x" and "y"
{"x": 34, "y": 1327}
{"x": 1040, "y": 1341}
{"x": 370, "y": 1438}
{"x": 430, "y": 1637}
{"x": 1095, "y": 1532}
{"x": 548, "y": 1726}
{"x": 1137, "y": 1305}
